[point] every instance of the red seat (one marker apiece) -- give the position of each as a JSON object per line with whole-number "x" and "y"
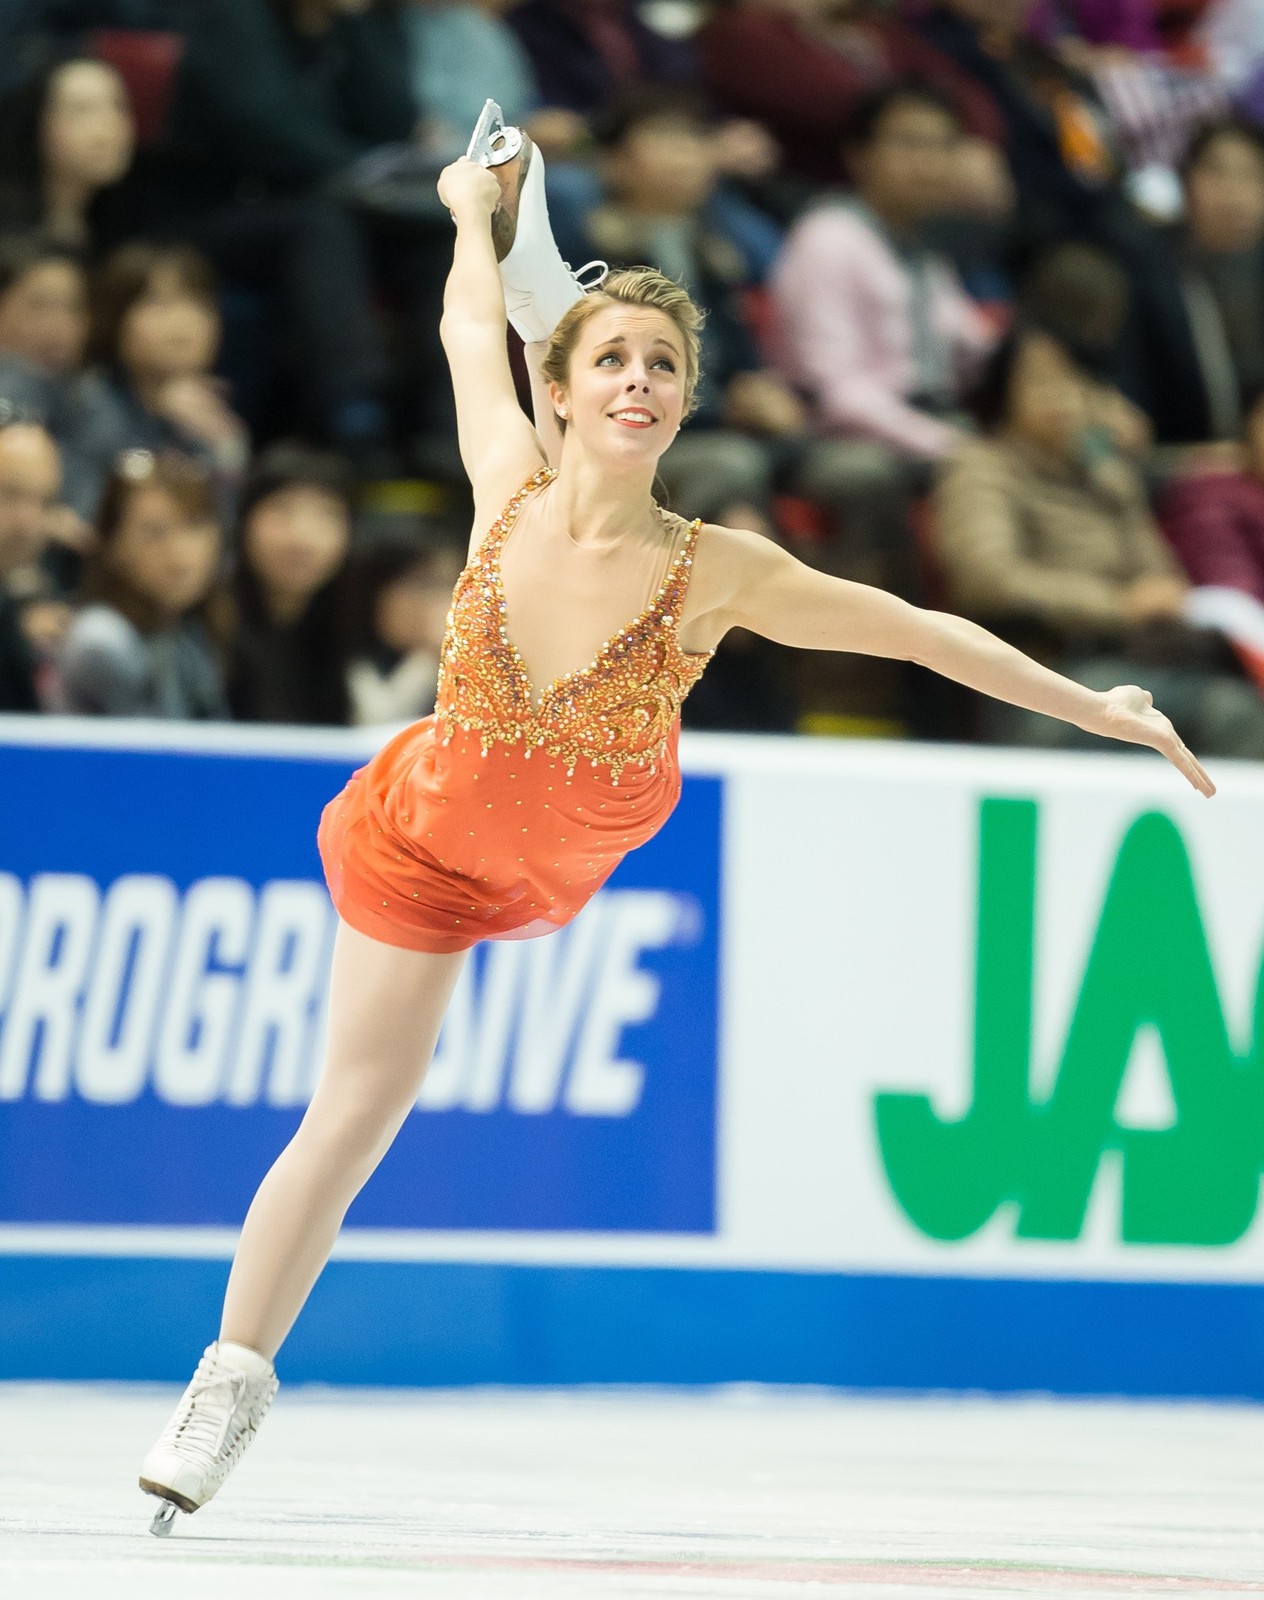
{"x": 147, "y": 61}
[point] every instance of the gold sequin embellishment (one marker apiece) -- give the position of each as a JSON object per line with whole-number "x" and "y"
{"x": 618, "y": 709}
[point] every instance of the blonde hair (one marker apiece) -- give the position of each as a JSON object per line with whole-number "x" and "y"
{"x": 631, "y": 286}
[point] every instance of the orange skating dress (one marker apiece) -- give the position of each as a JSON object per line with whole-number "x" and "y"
{"x": 493, "y": 818}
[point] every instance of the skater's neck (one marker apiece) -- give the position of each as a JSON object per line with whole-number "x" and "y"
{"x": 601, "y": 507}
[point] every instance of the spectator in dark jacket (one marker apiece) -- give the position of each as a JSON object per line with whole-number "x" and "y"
{"x": 585, "y": 52}
{"x": 285, "y": 96}
{"x": 294, "y": 531}
{"x": 1221, "y": 262}
{"x": 147, "y": 642}
{"x": 275, "y": 105}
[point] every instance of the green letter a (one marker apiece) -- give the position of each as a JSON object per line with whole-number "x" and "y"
{"x": 1195, "y": 1183}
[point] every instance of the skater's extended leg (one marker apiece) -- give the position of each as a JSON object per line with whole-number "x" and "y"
{"x": 385, "y": 1008}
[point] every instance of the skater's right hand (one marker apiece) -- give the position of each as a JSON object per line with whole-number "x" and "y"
{"x": 468, "y": 189}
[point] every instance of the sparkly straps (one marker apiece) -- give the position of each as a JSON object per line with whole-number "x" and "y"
{"x": 621, "y": 708}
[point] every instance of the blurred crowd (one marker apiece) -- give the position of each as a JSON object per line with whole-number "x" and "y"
{"x": 984, "y": 295}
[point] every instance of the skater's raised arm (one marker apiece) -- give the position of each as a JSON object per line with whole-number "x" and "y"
{"x": 499, "y": 447}
{"x": 752, "y": 583}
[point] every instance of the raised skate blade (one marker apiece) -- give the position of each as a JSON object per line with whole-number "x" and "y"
{"x": 492, "y": 143}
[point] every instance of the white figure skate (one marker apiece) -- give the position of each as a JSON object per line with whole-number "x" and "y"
{"x": 539, "y": 286}
{"x": 207, "y": 1434}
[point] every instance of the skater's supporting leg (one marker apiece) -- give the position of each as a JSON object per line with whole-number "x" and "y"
{"x": 385, "y": 1008}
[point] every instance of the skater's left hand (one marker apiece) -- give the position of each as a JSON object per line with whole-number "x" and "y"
{"x": 1129, "y": 713}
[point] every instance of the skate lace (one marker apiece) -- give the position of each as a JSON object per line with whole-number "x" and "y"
{"x": 578, "y": 273}
{"x": 201, "y": 1429}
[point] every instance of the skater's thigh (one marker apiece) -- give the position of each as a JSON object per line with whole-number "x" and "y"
{"x": 385, "y": 1008}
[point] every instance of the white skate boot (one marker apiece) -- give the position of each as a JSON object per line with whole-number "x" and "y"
{"x": 216, "y": 1418}
{"x": 539, "y": 286}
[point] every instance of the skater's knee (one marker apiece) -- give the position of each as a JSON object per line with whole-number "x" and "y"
{"x": 352, "y": 1131}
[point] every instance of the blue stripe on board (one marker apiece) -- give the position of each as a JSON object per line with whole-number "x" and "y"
{"x": 452, "y": 1323}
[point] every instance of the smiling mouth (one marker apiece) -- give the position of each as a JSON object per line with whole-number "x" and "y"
{"x": 633, "y": 417}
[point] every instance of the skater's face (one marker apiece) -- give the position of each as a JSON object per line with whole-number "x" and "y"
{"x": 162, "y": 553}
{"x": 626, "y": 394}
{"x": 296, "y": 539}
{"x": 44, "y": 316}
{"x": 1224, "y": 195}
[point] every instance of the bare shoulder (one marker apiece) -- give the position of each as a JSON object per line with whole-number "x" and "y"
{"x": 728, "y": 562}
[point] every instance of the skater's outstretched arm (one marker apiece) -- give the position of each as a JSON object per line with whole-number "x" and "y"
{"x": 499, "y": 447}
{"x": 749, "y": 582}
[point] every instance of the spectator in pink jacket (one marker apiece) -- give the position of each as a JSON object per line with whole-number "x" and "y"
{"x": 1215, "y": 520}
{"x": 873, "y": 327}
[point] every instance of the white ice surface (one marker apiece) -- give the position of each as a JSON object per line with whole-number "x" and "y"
{"x": 495, "y": 1494}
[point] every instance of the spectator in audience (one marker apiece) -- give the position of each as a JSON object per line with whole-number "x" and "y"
{"x": 294, "y": 532}
{"x": 399, "y": 592}
{"x": 585, "y": 52}
{"x": 750, "y": 435}
{"x": 875, "y": 328}
{"x": 29, "y": 476}
{"x": 1221, "y": 250}
{"x": 817, "y": 61}
{"x": 66, "y": 140}
{"x": 147, "y": 644}
{"x": 275, "y": 110}
{"x": 1214, "y": 520}
{"x": 459, "y": 53}
{"x": 285, "y": 97}
{"x": 1079, "y": 294}
{"x": 1056, "y": 132}
{"x": 157, "y": 331}
{"x": 1068, "y": 170}
{"x": 43, "y": 338}
{"x": 1044, "y": 532}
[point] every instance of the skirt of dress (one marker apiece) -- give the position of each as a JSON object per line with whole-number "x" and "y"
{"x": 434, "y": 846}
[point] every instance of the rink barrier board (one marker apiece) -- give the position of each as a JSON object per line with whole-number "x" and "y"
{"x": 450, "y": 1324}
{"x": 882, "y": 1065}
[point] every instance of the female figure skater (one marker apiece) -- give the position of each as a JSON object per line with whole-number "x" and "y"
{"x": 583, "y": 617}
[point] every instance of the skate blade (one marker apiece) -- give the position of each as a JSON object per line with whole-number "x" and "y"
{"x": 492, "y": 143}
{"x": 164, "y": 1518}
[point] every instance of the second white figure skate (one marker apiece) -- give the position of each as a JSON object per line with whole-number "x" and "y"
{"x": 539, "y": 286}
{"x": 216, "y": 1418}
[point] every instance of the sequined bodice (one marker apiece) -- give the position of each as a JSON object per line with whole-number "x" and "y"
{"x": 620, "y": 708}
